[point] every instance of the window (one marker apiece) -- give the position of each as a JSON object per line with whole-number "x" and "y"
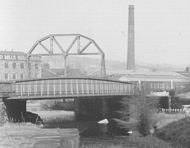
{"x": 21, "y": 57}
{"x": 1, "y": 56}
{"x": 22, "y": 65}
{"x": 7, "y": 57}
{"x": 21, "y": 76}
{"x": 6, "y": 65}
{"x": 14, "y": 65}
{"x": 13, "y": 57}
{"x": 30, "y": 65}
{"x": 6, "y": 76}
{"x": 14, "y": 76}
{"x": 36, "y": 75}
{"x": 36, "y": 66}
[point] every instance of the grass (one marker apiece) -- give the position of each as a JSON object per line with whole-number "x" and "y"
{"x": 133, "y": 141}
{"x": 177, "y": 132}
{"x": 168, "y": 125}
{"x": 10, "y": 140}
{"x": 24, "y": 135}
{"x": 163, "y": 119}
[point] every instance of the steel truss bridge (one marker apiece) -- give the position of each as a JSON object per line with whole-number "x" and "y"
{"x": 52, "y": 88}
{"x": 83, "y": 46}
{"x": 64, "y": 88}
{"x": 99, "y": 91}
{"x": 67, "y": 87}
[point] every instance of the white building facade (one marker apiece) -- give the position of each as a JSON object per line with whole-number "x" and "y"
{"x": 13, "y": 66}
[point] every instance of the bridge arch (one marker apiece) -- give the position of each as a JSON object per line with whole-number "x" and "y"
{"x": 65, "y": 52}
{"x": 92, "y": 95}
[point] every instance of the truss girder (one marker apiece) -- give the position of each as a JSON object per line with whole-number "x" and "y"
{"x": 67, "y": 51}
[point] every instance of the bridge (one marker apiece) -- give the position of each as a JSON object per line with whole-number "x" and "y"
{"x": 73, "y": 87}
{"x": 92, "y": 94}
{"x": 54, "y": 88}
{"x": 68, "y": 87}
{"x": 80, "y": 45}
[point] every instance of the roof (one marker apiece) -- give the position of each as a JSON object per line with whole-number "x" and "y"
{"x": 184, "y": 95}
{"x": 12, "y": 52}
{"x": 52, "y": 72}
{"x": 153, "y": 76}
{"x": 186, "y": 74}
{"x": 60, "y": 72}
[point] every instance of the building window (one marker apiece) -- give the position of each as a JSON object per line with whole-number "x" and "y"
{"x": 14, "y": 65}
{"x": 1, "y": 56}
{"x": 6, "y": 65}
{"x": 21, "y": 57}
{"x": 13, "y": 57}
{"x": 30, "y": 65}
{"x": 22, "y": 65}
{"x": 14, "y": 76}
{"x": 7, "y": 57}
{"x": 21, "y": 76}
{"x": 36, "y": 66}
{"x": 6, "y": 76}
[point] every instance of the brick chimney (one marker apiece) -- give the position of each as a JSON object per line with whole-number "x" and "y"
{"x": 131, "y": 40}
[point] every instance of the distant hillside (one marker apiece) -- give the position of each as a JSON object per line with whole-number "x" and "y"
{"x": 93, "y": 64}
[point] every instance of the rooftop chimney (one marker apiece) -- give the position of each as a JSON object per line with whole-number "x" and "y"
{"x": 131, "y": 40}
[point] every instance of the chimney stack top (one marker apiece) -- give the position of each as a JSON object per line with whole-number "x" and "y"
{"x": 131, "y": 7}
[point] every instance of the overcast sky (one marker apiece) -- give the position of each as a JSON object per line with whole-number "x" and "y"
{"x": 162, "y": 27}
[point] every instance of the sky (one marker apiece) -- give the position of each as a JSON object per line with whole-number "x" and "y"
{"x": 162, "y": 27}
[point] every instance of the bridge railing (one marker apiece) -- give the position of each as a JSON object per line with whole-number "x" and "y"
{"x": 70, "y": 87}
{"x": 181, "y": 87}
{"x": 149, "y": 86}
{"x": 81, "y": 87}
{"x": 145, "y": 87}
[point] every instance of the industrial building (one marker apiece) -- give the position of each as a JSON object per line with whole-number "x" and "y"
{"x": 13, "y": 65}
{"x": 146, "y": 79}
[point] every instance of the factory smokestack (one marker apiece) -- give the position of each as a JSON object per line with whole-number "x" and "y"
{"x": 131, "y": 40}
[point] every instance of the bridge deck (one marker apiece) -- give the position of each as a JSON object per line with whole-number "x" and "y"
{"x": 67, "y": 88}
{"x": 82, "y": 87}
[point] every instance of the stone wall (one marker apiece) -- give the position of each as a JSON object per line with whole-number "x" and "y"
{"x": 14, "y": 109}
{"x": 26, "y": 136}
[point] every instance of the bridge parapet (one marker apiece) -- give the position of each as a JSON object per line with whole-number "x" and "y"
{"x": 83, "y": 87}
{"x": 145, "y": 87}
{"x": 68, "y": 87}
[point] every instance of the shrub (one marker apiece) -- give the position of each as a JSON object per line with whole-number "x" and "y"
{"x": 163, "y": 102}
{"x": 145, "y": 119}
{"x": 175, "y": 103}
{"x": 118, "y": 127}
{"x": 119, "y": 108}
{"x": 3, "y": 116}
{"x": 144, "y": 123}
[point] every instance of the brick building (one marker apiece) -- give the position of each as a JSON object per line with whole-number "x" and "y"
{"x": 13, "y": 66}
